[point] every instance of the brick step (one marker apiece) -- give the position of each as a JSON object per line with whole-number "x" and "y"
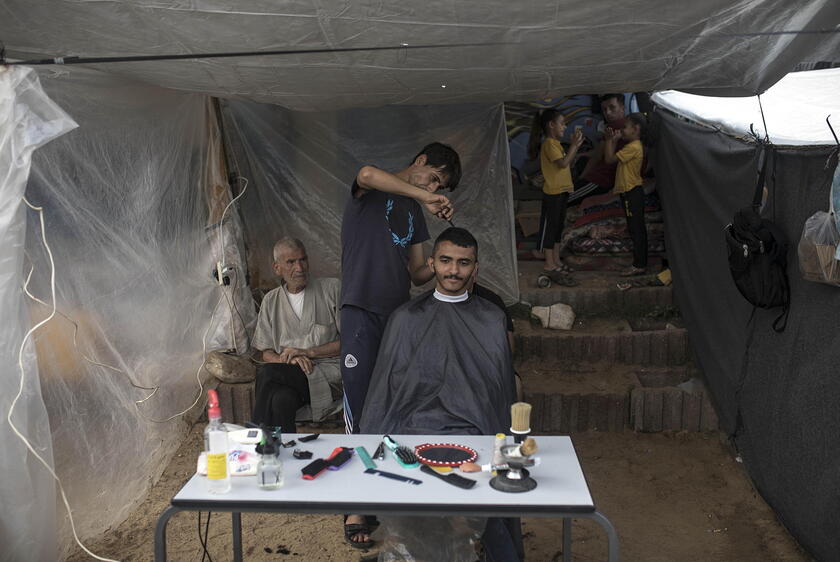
{"x": 640, "y": 409}
{"x": 603, "y": 301}
{"x": 656, "y": 347}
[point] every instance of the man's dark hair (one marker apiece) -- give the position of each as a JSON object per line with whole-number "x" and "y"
{"x": 617, "y": 97}
{"x": 459, "y": 237}
{"x": 444, "y": 158}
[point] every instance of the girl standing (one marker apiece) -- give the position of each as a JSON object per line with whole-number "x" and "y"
{"x": 555, "y": 165}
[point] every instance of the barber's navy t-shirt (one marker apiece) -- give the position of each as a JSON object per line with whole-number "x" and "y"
{"x": 376, "y": 231}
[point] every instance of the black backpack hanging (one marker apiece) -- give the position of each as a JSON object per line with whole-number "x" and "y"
{"x": 758, "y": 255}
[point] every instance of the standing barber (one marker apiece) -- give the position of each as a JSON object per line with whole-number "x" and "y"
{"x": 382, "y": 233}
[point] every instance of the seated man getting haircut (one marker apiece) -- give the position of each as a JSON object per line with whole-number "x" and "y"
{"x": 444, "y": 367}
{"x": 297, "y": 335}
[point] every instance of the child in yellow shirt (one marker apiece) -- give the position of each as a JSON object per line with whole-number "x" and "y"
{"x": 554, "y": 163}
{"x": 628, "y": 184}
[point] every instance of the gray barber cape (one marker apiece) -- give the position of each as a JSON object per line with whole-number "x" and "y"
{"x": 442, "y": 368}
{"x": 279, "y": 327}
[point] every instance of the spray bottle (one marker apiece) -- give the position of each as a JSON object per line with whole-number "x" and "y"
{"x": 216, "y": 445}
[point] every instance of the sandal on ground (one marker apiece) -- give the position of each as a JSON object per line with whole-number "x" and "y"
{"x": 353, "y": 529}
{"x": 633, "y": 271}
{"x": 564, "y": 268}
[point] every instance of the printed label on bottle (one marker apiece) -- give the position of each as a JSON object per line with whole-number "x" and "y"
{"x": 216, "y": 466}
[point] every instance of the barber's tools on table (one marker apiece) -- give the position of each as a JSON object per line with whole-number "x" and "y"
{"x": 393, "y": 476}
{"x": 379, "y": 453}
{"x": 444, "y": 454}
{"x": 256, "y": 451}
{"x": 405, "y": 456}
{"x": 450, "y": 478}
{"x": 270, "y": 467}
{"x": 366, "y": 460}
{"x": 516, "y": 478}
{"x": 520, "y": 421}
{"x": 337, "y": 459}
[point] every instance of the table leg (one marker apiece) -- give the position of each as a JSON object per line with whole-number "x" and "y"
{"x": 236, "y": 520}
{"x": 612, "y": 536}
{"x": 567, "y": 539}
{"x": 160, "y": 533}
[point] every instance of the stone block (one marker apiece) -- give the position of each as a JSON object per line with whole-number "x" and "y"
{"x": 692, "y": 406}
{"x": 637, "y": 409}
{"x": 677, "y": 352}
{"x": 652, "y": 410}
{"x": 672, "y": 407}
{"x": 659, "y": 348}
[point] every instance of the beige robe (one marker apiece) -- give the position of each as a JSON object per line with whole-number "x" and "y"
{"x": 279, "y": 327}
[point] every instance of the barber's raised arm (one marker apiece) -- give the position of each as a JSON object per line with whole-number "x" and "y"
{"x": 418, "y": 268}
{"x": 371, "y": 177}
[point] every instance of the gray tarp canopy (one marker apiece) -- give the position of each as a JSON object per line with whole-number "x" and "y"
{"x": 129, "y": 197}
{"x": 544, "y": 47}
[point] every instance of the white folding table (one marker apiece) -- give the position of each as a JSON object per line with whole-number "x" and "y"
{"x": 561, "y": 491}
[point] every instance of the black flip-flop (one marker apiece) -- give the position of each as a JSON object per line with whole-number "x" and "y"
{"x": 353, "y": 529}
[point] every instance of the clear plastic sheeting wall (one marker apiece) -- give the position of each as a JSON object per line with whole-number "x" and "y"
{"x": 28, "y": 120}
{"x": 302, "y": 166}
{"x": 131, "y": 201}
{"x": 529, "y": 50}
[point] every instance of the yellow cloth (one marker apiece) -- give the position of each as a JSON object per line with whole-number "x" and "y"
{"x": 629, "y": 172}
{"x": 557, "y": 179}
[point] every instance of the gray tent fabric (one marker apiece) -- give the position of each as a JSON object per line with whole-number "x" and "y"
{"x": 788, "y": 439}
{"x": 530, "y": 50}
{"x": 301, "y": 165}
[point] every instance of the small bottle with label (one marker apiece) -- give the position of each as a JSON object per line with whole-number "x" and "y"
{"x": 270, "y": 467}
{"x": 216, "y": 445}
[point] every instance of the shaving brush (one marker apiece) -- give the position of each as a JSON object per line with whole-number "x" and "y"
{"x": 520, "y": 420}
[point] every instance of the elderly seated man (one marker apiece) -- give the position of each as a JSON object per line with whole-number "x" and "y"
{"x": 298, "y": 336}
{"x": 445, "y": 367}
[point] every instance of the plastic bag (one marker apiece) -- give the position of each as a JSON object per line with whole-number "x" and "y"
{"x": 411, "y": 539}
{"x": 819, "y": 247}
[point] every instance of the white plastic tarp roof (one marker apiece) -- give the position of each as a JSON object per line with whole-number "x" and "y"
{"x": 795, "y": 109}
{"x": 552, "y": 47}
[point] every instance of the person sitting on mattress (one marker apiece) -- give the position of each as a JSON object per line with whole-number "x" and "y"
{"x": 444, "y": 366}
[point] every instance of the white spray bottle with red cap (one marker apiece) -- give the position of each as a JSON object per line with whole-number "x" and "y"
{"x": 216, "y": 445}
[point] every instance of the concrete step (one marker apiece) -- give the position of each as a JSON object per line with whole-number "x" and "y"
{"x": 601, "y": 301}
{"x": 641, "y": 409}
{"x": 569, "y": 396}
{"x": 654, "y": 348}
{"x": 598, "y": 293}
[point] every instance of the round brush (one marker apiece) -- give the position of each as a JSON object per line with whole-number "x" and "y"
{"x": 520, "y": 419}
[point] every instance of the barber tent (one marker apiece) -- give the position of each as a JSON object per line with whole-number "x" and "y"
{"x": 137, "y": 198}
{"x": 781, "y": 385}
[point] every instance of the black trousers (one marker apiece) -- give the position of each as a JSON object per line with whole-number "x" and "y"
{"x": 361, "y": 333}
{"x": 634, "y": 210}
{"x": 553, "y": 219}
{"x": 280, "y": 389}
